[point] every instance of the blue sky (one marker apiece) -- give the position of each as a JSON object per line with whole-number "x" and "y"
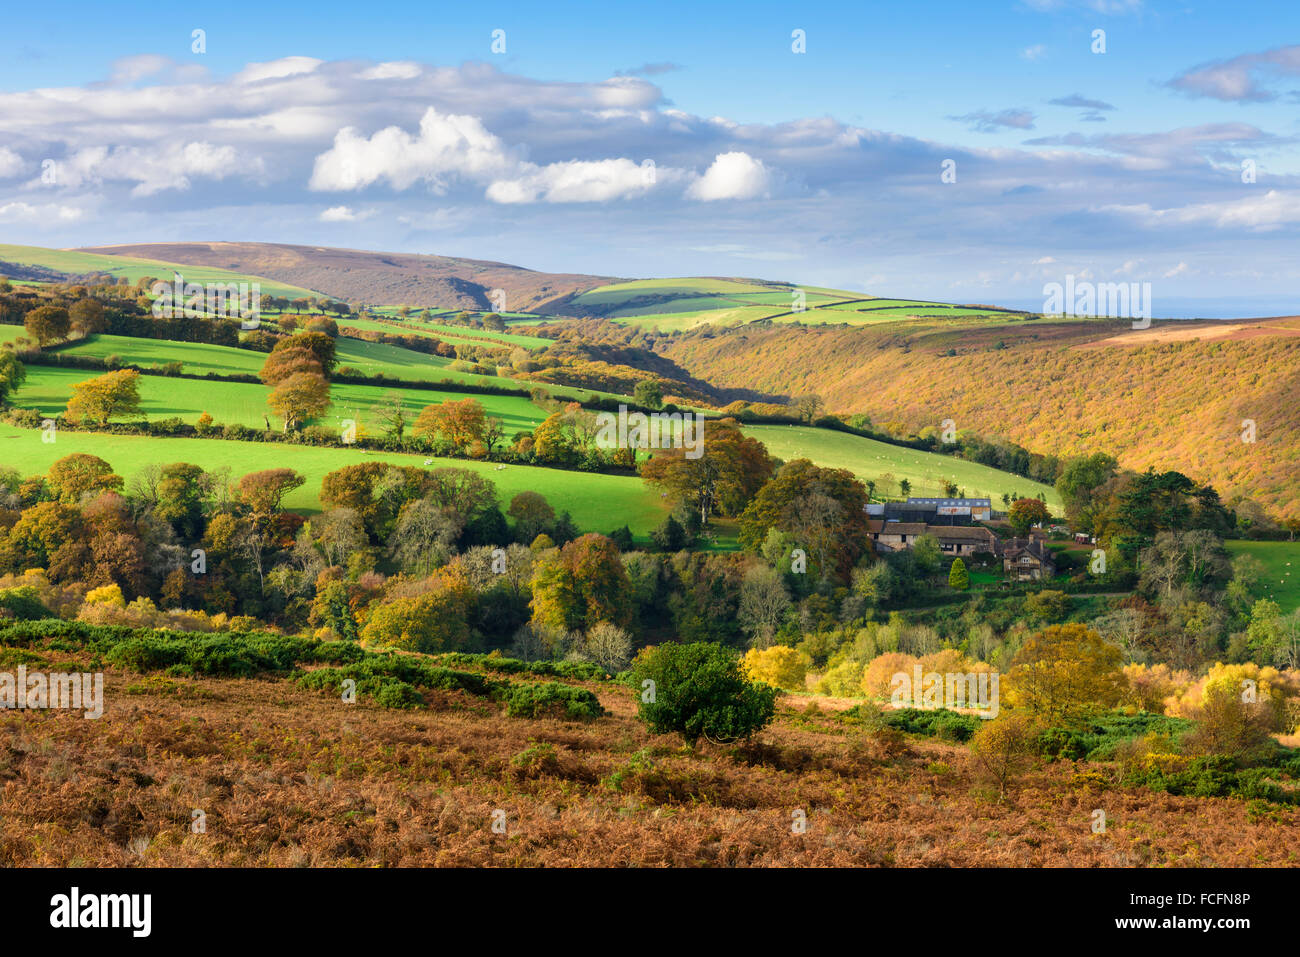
{"x": 396, "y": 126}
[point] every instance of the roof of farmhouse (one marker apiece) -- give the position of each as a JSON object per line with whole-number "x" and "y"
{"x": 952, "y": 502}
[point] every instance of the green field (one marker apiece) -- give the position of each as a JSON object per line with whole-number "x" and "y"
{"x": 48, "y": 388}
{"x": 681, "y": 304}
{"x": 869, "y": 460}
{"x": 597, "y": 502}
{"x": 371, "y": 358}
{"x": 1281, "y": 561}
{"x": 437, "y": 330}
{"x": 75, "y": 263}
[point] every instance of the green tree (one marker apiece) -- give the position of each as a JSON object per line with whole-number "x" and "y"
{"x": 958, "y": 577}
{"x": 649, "y": 393}
{"x": 700, "y": 691}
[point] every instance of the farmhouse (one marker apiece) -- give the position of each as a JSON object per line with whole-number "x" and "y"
{"x": 1028, "y": 560}
{"x": 953, "y": 539}
{"x": 895, "y": 536}
{"x": 959, "y": 540}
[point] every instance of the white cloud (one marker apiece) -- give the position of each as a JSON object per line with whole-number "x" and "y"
{"x": 575, "y": 182}
{"x": 733, "y": 175}
{"x": 44, "y": 214}
{"x": 277, "y": 69}
{"x": 446, "y": 145}
{"x": 11, "y": 164}
{"x": 1035, "y": 52}
{"x": 1268, "y": 211}
{"x": 392, "y": 70}
{"x": 338, "y": 214}
{"x": 1180, "y": 270}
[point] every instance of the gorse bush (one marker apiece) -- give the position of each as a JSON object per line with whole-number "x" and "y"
{"x": 550, "y": 698}
{"x": 699, "y": 691}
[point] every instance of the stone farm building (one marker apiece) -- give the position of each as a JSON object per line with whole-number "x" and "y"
{"x": 1028, "y": 560}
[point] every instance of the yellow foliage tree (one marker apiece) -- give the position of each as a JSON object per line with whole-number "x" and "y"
{"x": 780, "y": 666}
{"x": 1065, "y": 673}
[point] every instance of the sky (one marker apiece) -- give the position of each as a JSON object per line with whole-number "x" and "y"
{"x": 968, "y": 152}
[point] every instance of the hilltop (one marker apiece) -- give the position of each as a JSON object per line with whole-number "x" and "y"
{"x": 377, "y": 277}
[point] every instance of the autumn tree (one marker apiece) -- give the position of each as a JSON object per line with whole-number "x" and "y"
{"x": 1065, "y": 673}
{"x": 821, "y": 508}
{"x": 74, "y": 475}
{"x": 1026, "y": 512}
{"x": 459, "y": 422}
{"x": 435, "y": 621}
{"x": 47, "y": 324}
{"x": 300, "y": 398}
{"x": 533, "y": 515}
{"x": 263, "y": 492}
{"x": 1003, "y": 748}
{"x": 86, "y": 317}
{"x": 100, "y": 399}
{"x": 581, "y": 584}
{"x": 722, "y": 479}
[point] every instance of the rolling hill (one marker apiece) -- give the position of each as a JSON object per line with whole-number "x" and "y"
{"x": 375, "y": 277}
{"x": 1172, "y": 397}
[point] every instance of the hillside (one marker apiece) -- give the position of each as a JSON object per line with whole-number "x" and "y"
{"x": 285, "y": 774}
{"x": 1174, "y": 396}
{"x": 56, "y": 265}
{"x": 376, "y": 277}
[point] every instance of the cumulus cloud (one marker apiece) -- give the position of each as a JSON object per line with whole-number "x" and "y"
{"x": 575, "y": 182}
{"x": 446, "y": 145}
{"x": 1238, "y": 79}
{"x": 152, "y": 170}
{"x": 733, "y": 175}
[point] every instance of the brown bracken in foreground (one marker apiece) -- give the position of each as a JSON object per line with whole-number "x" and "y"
{"x": 288, "y": 777}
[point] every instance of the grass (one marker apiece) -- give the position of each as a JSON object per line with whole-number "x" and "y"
{"x": 419, "y": 327}
{"x": 598, "y": 503}
{"x": 681, "y": 304}
{"x": 370, "y": 357}
{"x": 48, "y": 388}
{"x": 869, "y": 460}
{"x": 1281, "y": 561}
{"x": 75, "y": 263}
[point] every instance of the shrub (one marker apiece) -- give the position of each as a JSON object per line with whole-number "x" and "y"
{"x": 1004, "y": 748}
{"x": 552, "y": 698}
{"x": 699, "y": 691}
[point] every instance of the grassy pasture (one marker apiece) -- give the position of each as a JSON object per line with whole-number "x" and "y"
{"x": 598, "y": 503}
{"x": 48, "y": 388}
{"x": 869, "y": 460}
{"x": 1281, "y": 561}
{"x": 132, "y": 269}
{"x": 439, "y": 330}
